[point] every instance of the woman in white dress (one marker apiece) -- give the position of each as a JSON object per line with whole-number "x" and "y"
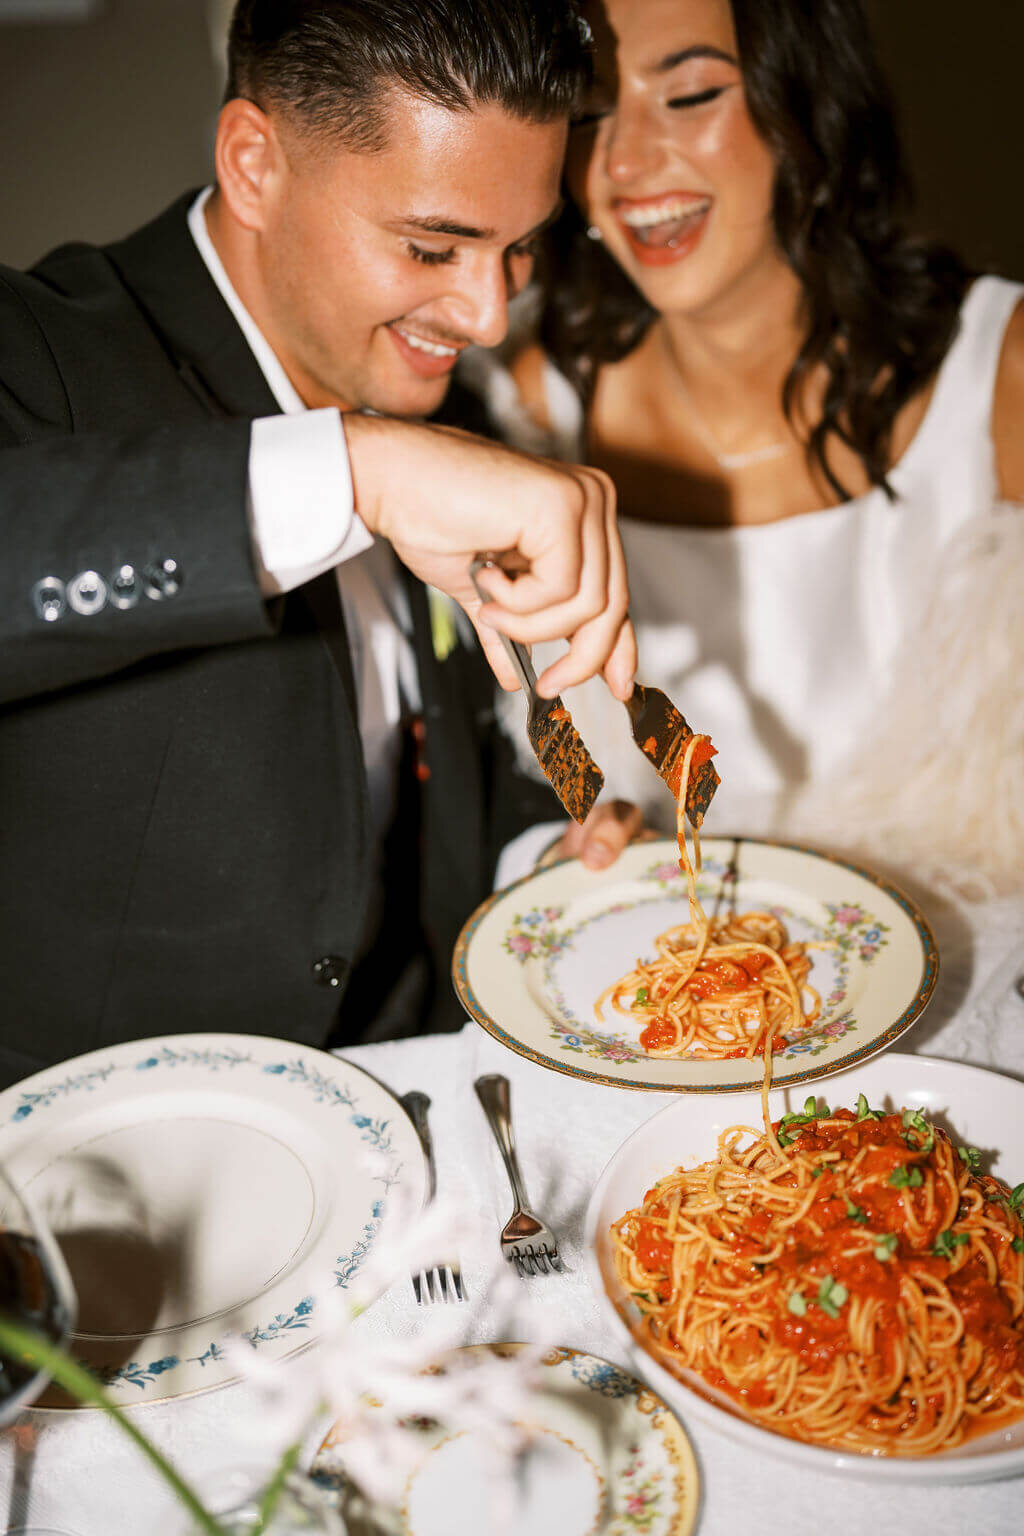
{"x": 816, "y": 428}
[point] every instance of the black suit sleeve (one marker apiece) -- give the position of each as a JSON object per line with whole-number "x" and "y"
{"x": 74, "y": 502}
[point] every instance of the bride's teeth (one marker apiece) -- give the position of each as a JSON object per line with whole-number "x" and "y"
{"x": 434, "y": 348}
{"x": 660, "y": 213}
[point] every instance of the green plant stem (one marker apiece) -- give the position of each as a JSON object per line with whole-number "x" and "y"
{"x": 28, "y": 1347}
{"x": 273, "y": 1490}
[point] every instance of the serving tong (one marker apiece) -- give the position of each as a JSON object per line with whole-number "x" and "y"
{"x": 659, "y": 730}
{"x": 662, "y": 734}
{"x": 568, "y": 766}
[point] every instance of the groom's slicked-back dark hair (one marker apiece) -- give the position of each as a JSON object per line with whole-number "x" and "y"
{"x": 329, "y": 64}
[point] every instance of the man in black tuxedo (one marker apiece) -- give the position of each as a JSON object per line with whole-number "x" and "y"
{"x": 249, "y": 773}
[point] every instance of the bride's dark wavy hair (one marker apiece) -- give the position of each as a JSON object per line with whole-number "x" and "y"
{"x": 880, "y": 306}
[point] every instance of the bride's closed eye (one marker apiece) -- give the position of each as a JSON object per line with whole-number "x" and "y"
{"x": 698, "y": 98}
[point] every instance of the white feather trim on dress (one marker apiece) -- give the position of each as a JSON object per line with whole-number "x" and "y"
{"x": 937, "y": 787}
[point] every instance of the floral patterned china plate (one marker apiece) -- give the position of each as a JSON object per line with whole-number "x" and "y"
{"x": 530, "y": 962}
{"x": 203, "y": 1188}
{"x": 604, "y": 1457}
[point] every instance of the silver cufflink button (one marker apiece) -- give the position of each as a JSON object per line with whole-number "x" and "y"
{"x": 48, "y": 598}
{"x": 161, "y": 578}
{"x": 87, "y": 593}
{"x": 330, "y": 970}
{"x": 124, "y": 587}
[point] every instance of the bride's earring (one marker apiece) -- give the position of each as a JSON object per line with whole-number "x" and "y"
{"x": 593, "y": 233}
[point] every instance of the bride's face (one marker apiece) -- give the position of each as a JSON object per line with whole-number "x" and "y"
{"x": 667, "y": 163}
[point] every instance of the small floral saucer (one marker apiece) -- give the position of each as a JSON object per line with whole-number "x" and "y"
{"x": 530, "y": 962}
{"x": 604, "y": 1456}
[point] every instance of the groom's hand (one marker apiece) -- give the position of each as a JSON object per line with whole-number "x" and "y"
{"x": 442, "y": 497}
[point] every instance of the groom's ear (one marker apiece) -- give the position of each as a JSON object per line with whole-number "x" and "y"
{"x": 250, "y": 161}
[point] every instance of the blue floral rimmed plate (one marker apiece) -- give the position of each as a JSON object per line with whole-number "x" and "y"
{"x": 204, "y": 1187}
{"x": 531, "y": 961}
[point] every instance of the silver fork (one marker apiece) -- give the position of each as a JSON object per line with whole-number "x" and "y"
{"x": 525, "y": 1240}
{"x": 444, "y": 1281}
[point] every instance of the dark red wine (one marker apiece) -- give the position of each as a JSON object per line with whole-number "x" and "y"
{"x": 28, "y": 1296}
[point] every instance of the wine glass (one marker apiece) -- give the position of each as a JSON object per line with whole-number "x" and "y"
{"x": 36, "y": 1292}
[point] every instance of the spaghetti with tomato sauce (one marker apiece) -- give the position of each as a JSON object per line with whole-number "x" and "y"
{"x": 717, "y": 988}
{"x": 850, "y": 1278}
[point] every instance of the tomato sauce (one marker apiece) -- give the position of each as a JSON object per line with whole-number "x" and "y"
{"x": 653, "y": 1248}
{"x": 852, "y": 1244}
{"x": 714, "y": 976}
{"x": 816, "y": 1250}
{"x": 987, "y": 1314}
{"x": 703, "y": 752}
{"x": 658, "y": 1035}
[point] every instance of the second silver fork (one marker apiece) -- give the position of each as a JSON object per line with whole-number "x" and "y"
{"x": 441, "y": 1278}
{"x": 526, "y": 1241}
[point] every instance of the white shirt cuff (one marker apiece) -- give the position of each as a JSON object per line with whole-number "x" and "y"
{"x": 301, "y": 505}
{"x": 518, "y": 857}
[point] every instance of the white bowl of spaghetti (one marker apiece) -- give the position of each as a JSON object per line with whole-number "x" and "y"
{"x": 846, "y": 1291}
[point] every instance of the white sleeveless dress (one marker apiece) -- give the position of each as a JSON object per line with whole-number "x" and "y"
{"x": 859, "y": 668}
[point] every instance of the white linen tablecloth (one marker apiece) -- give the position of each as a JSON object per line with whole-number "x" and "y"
{"x": 89, "y": 1481}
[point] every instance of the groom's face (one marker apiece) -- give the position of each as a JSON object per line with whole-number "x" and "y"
{"x": 379, "y": 268}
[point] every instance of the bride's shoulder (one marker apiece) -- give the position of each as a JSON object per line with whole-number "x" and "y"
{"x": 1008, "y": 410}
{"x": 528, "y": 402}
{"x": 545, "y": 403}
{"x": 529, "y": 367}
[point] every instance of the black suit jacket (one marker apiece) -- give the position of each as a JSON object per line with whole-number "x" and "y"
{"x": 183, "y": 799}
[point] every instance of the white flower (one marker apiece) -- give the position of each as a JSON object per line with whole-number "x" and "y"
{"x": 377, "y": 1391}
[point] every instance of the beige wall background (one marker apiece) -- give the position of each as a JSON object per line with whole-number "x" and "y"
{"x": 104, "y": 121}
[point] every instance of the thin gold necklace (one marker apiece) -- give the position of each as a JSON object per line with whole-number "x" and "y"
{"x": 725, "y": 458}
{"x": 741, "y": 460}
